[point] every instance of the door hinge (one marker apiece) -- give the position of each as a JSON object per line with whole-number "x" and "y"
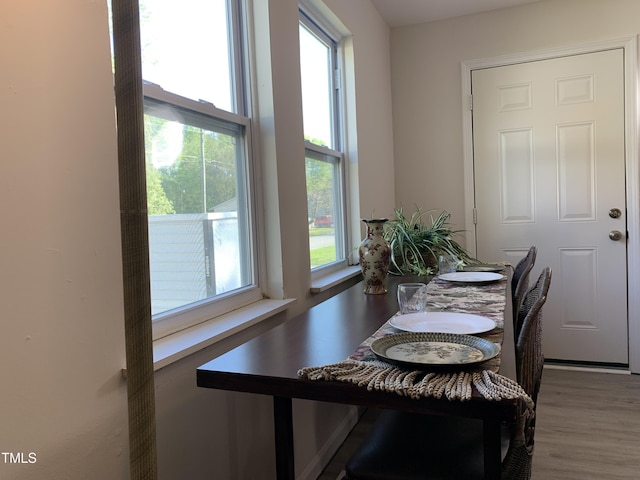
{"x": 470, "y": 103}
{"x": 475, "y": 216}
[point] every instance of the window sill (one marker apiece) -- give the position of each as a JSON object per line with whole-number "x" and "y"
{"x": 325, "y": 282}
{"x": 181, "y": 344}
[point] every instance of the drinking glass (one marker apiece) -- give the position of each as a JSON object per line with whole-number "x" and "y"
{"x": 412, "y": 298}
{"x": 447, "y": 264}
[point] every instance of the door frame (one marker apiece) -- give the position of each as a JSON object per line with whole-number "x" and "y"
{"x": 632, "y": 160}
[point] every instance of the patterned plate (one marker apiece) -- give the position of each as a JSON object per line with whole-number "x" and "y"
{"x": 420, "y": 350}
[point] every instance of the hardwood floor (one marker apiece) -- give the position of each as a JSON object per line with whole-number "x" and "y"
{"x": 588, "y": 428}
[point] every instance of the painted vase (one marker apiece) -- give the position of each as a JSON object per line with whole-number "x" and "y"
{"x": 375, "y": 256}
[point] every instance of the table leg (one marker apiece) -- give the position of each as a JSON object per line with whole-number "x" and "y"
{"x": 283, "y": 428}
{"x": 492, "y": 439}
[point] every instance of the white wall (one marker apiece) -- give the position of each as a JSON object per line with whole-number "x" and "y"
{"x": 61, "y": 331}
{"x": 427, "y": 88}
{"x": 372, "y": 79}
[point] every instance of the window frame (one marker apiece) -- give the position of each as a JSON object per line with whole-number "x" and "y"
{"x": 189, "y": 315}
{"x": 318, "y": 26}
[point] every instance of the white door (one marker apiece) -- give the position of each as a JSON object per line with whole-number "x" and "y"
{"x": 549, "y": 166}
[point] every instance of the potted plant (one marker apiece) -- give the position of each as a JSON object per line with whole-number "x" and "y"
{"x": 416, "y": 242}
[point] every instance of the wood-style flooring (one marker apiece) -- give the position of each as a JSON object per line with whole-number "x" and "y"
{"x": 588, "y": 428}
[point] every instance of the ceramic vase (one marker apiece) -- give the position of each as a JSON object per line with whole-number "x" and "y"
{"x": 375, "y": 256}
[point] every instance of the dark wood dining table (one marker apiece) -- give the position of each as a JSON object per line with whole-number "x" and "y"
{"x": 329, "y": 333}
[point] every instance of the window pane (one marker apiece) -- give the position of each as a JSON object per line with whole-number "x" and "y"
{"x": 323, "y": 158}
{"x": 186, "y": 49}
{"x": 322, "y": 198}
{"x": 316, "y": 74}
{"x": 197, "y": 231}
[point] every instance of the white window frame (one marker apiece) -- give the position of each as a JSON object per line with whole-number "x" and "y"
{"x": 317, "y": 24}
{"x": 189, "y": 315}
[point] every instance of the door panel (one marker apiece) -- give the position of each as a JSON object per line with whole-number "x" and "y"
{"x": 549, "y": 165}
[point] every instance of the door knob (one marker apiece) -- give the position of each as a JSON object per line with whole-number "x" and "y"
{"x": 615, "y": 213}
{"x": 615, "y": 235}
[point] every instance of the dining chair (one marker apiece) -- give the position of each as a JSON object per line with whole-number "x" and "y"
{"x": 408, "y": 446}
{"x": 540, "y": 288}
{"x": 529, "y": 365}
{"x": 520, "y": 283}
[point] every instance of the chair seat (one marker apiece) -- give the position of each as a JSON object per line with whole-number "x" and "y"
{"x": 448, "y": 448}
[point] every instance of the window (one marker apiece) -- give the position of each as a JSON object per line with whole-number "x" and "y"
{"x": 324, "y": 162}
{"x": 198, "y": 158}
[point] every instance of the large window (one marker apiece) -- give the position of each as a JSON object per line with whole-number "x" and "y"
{"x": 321, "y": 102}
{"x": 198, "y": 158}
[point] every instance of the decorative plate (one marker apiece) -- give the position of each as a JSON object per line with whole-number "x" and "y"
{"x": 420, "y": 350}
{"x": 472, "y": 277}
{"x": 484, "y": 267}
{"x": 448, "y": 322}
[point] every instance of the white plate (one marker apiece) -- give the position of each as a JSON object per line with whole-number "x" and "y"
{"x": 483, "y": 267}
{"x": 472, "y": 277}
{"x": 448, "y": 322}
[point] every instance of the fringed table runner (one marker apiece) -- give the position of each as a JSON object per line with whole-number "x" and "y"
{"x": 364, "y": 369}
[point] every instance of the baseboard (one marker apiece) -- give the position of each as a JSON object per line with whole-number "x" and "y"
{"x": 584, "y": 368}
{"x": 324, "y": 455}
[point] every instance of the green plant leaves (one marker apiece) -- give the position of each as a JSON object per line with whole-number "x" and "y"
{"x": 417, "y": 241}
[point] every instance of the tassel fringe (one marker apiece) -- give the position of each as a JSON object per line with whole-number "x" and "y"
{"x": 381, "y": 376}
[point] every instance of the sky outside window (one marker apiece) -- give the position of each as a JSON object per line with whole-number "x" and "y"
{"x": 185, "y": 49}
{"x": 315, "y": 66}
